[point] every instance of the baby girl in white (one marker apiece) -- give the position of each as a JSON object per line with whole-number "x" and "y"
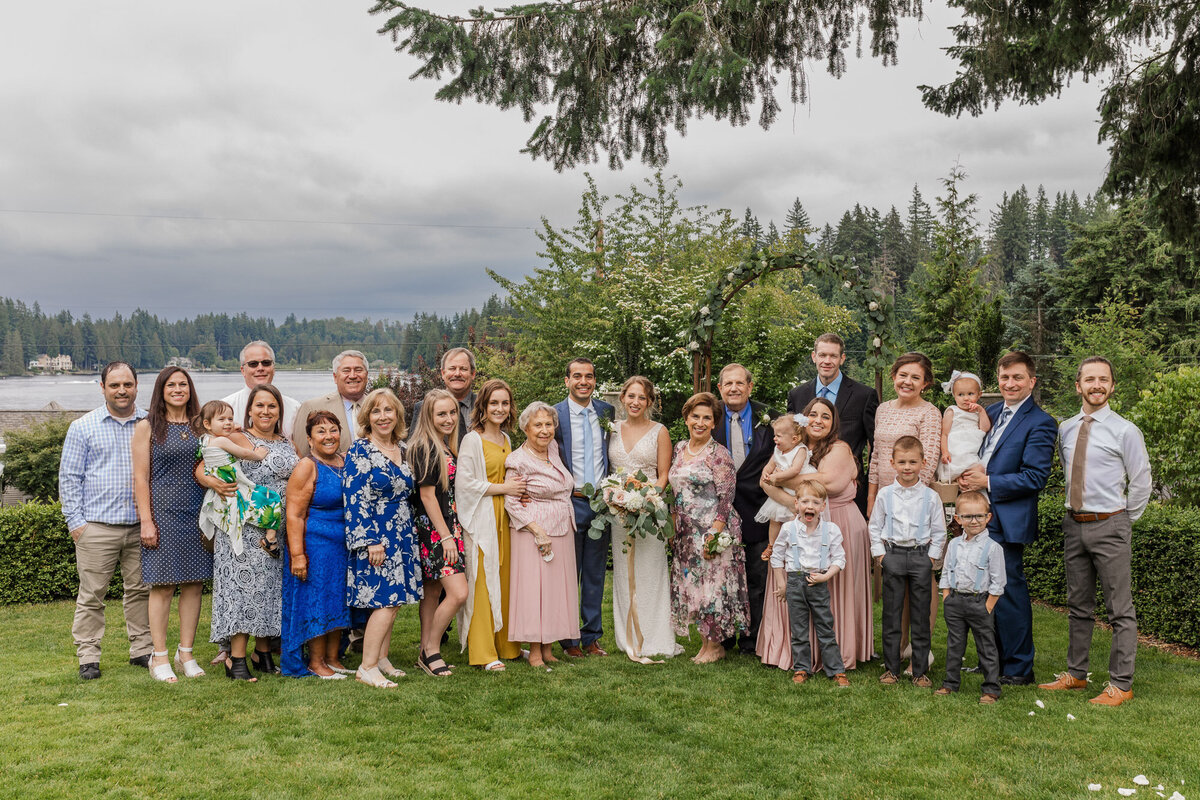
{"x": 963, "y": 427}
{"x": 789, "y": 460}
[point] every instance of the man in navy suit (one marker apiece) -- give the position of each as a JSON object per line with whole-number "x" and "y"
{"x": 751, "y": 442}
{"x": 1016, "y": 458}
{"x": 582, "y": 439}
{"x": 856, "y": 404}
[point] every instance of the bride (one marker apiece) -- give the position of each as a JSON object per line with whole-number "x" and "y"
{"x": 641, "y": 586}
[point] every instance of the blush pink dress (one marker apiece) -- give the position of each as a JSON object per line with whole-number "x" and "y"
{"x": 543, "y": 603}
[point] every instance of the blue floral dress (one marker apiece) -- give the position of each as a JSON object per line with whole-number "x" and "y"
{"x": 376, "y": 493}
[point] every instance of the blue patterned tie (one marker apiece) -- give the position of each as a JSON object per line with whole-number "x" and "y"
{"x": 589, "y": 457}
{"x": 824, "y": 393}
{"x": 995, "y": 432}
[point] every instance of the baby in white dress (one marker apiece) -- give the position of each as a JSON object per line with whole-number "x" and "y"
{"x": 790, "y": 459}
{"x": 963, "y": 427}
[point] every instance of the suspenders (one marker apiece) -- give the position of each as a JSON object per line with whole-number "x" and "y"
{"x": 887, "y": 505}
{"x": 824, "y": 563}
{"x": 985, "y": 553}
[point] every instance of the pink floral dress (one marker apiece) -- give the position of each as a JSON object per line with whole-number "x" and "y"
{"x": 709, "y": 593}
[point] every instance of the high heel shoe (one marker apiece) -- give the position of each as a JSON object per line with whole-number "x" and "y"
{"x": 263, "y": 661}
{"x": 161, "y": 672}
{"x": 236, "y": 669}
{"x": 190, "y": 668}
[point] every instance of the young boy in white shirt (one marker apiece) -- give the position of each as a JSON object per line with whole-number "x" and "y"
{"x": 806, "y": 554}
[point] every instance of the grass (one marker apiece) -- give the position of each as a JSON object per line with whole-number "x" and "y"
{"x": 604, "y": 727}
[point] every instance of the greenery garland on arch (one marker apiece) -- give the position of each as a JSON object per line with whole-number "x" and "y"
{"x": 878, "y": 307}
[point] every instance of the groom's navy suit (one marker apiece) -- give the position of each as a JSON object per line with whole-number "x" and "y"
{"x": 591, "y": 555}
{"x": 1017, "y": 472}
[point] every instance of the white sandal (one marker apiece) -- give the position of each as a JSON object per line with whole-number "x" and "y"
{"x": 190, "y": 668}
{"x": 162, "y": 672}
{"x": 495, "y": 666}
{"x": 385, "y": 666}
{"x": 377, "y": 680}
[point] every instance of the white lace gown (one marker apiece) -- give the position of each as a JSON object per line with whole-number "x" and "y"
{"x": 643, "y": 567}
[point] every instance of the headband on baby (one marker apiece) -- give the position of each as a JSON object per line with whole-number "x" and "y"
{"x": 948, "y": 386}
{"x": 801, "y": 420}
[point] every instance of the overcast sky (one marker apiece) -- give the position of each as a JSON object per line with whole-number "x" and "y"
{"x": 301, "y": 111}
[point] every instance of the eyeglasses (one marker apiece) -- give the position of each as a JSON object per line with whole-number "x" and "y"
{"x": 266, "y": 362}
{"x": 972, "y": 517}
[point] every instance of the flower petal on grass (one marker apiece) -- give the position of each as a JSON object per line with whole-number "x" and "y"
{"x": 1071, "y": 717}
{"x": 1031, "y": 713}
{"x": 1141, "y": 780}
{"x": 60, "y": 705}
{"x": 1177, "y": 796}
{"x": 1126, "y": 792}
{"x": 1094, "y": 787}
{"x": 1039, "y": 704}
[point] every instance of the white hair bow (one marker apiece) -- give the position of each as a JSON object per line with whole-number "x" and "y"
{"x": 948, "y": 386}
{"x": 801, "y": 420}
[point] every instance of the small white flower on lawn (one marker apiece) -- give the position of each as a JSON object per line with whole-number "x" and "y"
{"x": 1031, "y": 713}
{"x": 1071, "y": 717}
{"x": 1040, "y": 704}
{"x": 1126, "y": 792}
{"x": 1141, "y": 780}
{"x": 1094, "y": 787}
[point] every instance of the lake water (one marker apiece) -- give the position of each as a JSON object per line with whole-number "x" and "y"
{"x": 82, "y": 392}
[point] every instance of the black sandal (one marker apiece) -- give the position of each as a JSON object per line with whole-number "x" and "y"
{"x": 236, "y": 669}
{"x": 269, "y": 547}
{"x": 264, "y": 662}
{"x": 426, "y": 662}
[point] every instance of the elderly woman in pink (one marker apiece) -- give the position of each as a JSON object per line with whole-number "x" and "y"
{"x": 544, "y": 598}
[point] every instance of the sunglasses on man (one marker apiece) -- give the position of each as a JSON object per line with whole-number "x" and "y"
{"x": 266, "y": 362}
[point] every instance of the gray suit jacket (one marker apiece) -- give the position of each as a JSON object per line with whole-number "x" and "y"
{"x": 331, "y": 402}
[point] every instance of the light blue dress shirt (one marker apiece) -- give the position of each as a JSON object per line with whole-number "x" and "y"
{"x": 833, "y": 388}
{"x": 95, "y": 475}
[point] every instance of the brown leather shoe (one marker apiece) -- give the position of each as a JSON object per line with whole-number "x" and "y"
{"x": 988, "y": 699}
{"x": 841, "y": 680}
{"x": 800, "y": 676}
{"x": 942, "y": 691}
{"x": 574, "y": 652}
{"x": 1064, "y": 680}
{"x": 888, "y": 679}
{"x": 923, "y": 682}
{"x": 1112, "y": 696}
{"x": 594, "y": 649}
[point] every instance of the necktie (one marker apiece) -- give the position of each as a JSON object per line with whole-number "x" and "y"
{"x": 352, "y": 420}
{"x": 589, "y": 456}
{"x": 824, "y": 393}
{"x": 1078, "y": 460}
{"x": 737, "y": 441}
{"x": 995, "y": 432}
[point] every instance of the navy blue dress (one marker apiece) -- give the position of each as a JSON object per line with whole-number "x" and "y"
{"x": 377, "y": 496}
{"x": 316, "y": 606}
{"x": 175, "y": 500}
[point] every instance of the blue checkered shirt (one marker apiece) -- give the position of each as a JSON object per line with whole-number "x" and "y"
{"x": 95, "y": 476}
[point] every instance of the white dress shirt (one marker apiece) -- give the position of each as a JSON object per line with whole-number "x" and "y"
{"x": 962, "y": 571}
{"x": 580, "y": 415}
{"x": 239, "y": 399}
{"x": 797, "y": 549}
{"x": 1116, "y": 456}
{"x": 908, "y": 526}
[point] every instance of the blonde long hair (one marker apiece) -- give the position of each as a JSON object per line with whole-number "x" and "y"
{"x": 426, "y": 443}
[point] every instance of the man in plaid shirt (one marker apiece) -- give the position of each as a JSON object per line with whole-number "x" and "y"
{"x": 95, "y": 483}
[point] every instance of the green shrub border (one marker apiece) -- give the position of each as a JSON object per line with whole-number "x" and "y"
{"x": 37, "y": 556}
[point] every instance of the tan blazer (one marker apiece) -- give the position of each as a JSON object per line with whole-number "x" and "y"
{"x": 331, "y": 402}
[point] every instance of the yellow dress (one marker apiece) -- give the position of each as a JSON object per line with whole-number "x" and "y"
{"x": 484, "y": 644}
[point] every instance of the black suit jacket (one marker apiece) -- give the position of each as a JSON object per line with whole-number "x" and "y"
{"x": 856, "y": 405}
{"x": 749, "y": 496}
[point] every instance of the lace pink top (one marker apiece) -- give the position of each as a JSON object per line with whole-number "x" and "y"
{"x": 891, "y": 422}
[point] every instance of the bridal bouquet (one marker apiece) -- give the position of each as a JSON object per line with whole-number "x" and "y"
{"x": 632, "y": 500}
{"x": 716, "y": 543}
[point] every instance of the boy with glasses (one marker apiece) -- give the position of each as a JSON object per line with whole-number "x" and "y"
{"x": 973, "y": 579}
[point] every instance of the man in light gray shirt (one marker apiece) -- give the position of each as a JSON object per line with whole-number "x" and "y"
{"x": 257, "y": 361}
{"x": 1107, "y": 470}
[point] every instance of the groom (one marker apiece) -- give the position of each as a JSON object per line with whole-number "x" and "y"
{"x": 583, "y": 444}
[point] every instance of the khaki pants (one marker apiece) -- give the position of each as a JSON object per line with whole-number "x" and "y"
{"x": 97, "y": 552}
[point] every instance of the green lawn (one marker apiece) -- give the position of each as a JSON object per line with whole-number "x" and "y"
{"x": 605, "y": 727}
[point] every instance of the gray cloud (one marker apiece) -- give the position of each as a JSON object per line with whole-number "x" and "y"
{"x": 246, "y": 111}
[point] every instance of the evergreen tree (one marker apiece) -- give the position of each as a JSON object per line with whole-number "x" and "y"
{"x": 13, "y": 361}
{"x": 752, "y": 229}
{"x": 797, "y": 219}
{"x": 1010, "y": 238}
{"x": 949, "y": 301}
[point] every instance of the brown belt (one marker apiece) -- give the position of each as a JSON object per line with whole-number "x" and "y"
{"x": 578, "y": 493}
{"x": 1078, "y": 517}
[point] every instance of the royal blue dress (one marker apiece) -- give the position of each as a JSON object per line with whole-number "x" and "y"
{"x": 316, "y": 606}
{"x": 377, "y": 495}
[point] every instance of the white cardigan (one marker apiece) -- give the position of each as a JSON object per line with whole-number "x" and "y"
{"x": 477, "y": 515}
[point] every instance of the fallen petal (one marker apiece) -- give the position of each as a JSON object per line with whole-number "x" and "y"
{"x": 1159, "y": 788}
{"x": 1040, "y": 704}
{"x": 1177, "y": 796}
{"x": 1094, "y": 787}
{"x": 1031, "y": 713}
{"x": 1071, "y": 717}
{"x": 1141, "y": 780}
{"x": 60, "y": 705}
{"x": 1126, "y": 792}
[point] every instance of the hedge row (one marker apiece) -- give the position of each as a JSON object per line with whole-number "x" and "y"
{"x": 1166, "y": 569}
{"x": 37, "y": 556}
{"x": 37, "y": 564}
